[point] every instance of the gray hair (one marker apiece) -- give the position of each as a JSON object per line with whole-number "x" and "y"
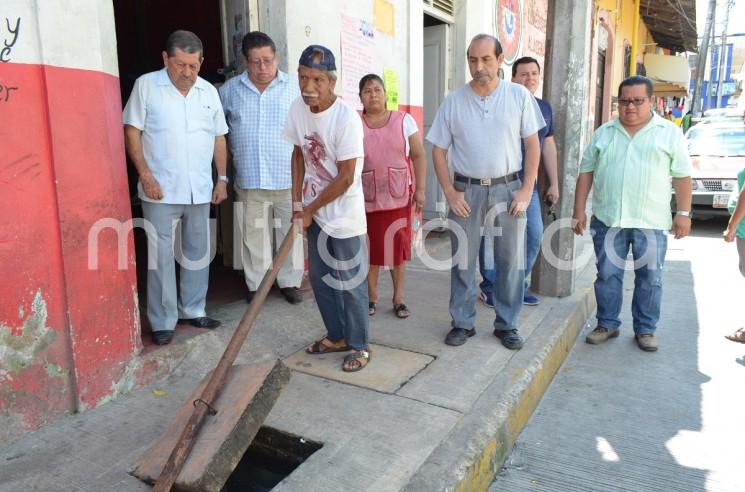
{"x": 486, "y": 37}
{"x": 186, "y": 41}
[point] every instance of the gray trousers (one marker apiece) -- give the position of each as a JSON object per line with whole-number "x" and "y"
{"x": 164, "y": 306}
{"x": 489, "y": 205}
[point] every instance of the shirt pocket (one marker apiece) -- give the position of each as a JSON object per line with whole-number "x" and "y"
{"x": 201, "y": 120}
{"x": 398, "y": 181}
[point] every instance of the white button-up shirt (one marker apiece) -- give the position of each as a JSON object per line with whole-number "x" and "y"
{"x": 178, "y": 135}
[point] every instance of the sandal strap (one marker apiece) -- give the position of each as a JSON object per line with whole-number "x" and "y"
{"x": 357, "y": 354}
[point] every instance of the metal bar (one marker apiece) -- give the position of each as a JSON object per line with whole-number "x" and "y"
{"x": 211, "y": 391}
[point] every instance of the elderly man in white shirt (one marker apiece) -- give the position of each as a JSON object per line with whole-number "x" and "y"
{"x": 174, "y": 125}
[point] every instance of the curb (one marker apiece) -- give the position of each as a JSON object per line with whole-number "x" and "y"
{"x": 479, "y": 444}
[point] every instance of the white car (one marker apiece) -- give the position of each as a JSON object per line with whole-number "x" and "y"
{"x": 717, "y": 151}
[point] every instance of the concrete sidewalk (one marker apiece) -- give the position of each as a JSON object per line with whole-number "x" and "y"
{"x": 422, "y": 416}
{"x": 618, "y": 419}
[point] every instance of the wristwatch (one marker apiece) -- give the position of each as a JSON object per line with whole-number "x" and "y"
{"x": 223, "y": 178}
{"x": 684, "y": 213}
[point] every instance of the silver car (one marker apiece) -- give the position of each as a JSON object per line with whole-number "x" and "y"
{"x": 717, "y": 151}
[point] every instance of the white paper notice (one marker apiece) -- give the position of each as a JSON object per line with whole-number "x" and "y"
{"x": 357, "y": 56}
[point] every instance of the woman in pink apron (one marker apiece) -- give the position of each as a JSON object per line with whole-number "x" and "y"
{"x": 393, "y": 180}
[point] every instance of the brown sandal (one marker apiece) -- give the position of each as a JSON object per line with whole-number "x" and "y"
{"x": 326, "y": 346}
{"x": 738, "y": 336}
{"x": 401, "y": 311}
{"x": 356, "y": 361}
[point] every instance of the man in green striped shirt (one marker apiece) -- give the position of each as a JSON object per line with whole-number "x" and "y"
{"x": 631, "y": 162}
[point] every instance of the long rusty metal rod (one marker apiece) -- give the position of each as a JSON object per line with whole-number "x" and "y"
{"x": 216, "y": 382}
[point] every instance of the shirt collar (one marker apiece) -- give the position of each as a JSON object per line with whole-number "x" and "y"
{"x": 281, "y": 78}
{"x": 164, "y": 79}
{"x": 656, "y": 120}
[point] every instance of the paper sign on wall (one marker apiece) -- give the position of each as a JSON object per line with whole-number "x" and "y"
{"x": 384, "y": 17}
{"x": 357, "y": 56}
{"x": 390, "y": 79}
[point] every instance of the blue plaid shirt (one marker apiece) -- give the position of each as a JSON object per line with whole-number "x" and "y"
{"x": 261, "y": 157}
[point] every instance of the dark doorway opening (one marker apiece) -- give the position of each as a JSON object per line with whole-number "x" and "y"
{"x": 271, "y": 457}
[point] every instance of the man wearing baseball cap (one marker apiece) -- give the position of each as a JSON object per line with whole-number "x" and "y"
{"x": 327, "y": 197}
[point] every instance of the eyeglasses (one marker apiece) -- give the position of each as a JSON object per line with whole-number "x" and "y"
{"x": 637, "y": 101}
{"x": 260, "y": 63}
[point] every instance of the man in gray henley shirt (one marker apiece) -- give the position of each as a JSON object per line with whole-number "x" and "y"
{"x": 477, "y": 131}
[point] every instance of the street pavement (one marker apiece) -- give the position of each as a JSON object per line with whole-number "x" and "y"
{"x": 619, "y": 419}
{"x": 421, "y": 416}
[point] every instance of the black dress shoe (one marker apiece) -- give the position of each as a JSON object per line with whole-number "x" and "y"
{"x": 201, "y": 322}
{"x": 162, "y": 337}
{"x": 459, "y": 336}
{"x": 510, "y": 339}
{"x": 292, "y": 294}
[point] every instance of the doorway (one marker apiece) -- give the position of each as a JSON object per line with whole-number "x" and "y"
{"x": 436, "y": 85}
{"x": 142, "y": 28}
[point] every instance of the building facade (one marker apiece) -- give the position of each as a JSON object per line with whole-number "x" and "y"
{"x": 70, "y": 332}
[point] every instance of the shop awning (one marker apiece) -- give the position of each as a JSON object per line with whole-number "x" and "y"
{"x": 672, "y": 23}
{"x": 670, "y": 74}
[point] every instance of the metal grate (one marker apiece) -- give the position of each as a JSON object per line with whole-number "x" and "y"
{"x": 444, "y": 6}
{"x": 712, "y": 184}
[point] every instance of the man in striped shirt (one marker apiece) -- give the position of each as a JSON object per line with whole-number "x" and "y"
{"x": 256, "y": 103}
{"x": 630, "y": 162}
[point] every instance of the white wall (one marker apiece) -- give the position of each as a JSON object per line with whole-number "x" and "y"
{"x": 76, "y": 34}
{"x": 320, "y": 23}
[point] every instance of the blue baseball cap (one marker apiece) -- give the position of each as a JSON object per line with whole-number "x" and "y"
{"x": 326, "y": 59}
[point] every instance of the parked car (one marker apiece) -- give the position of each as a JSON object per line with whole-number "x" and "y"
{"x": 717, "y": 151}
{"x": 720, "y": 115}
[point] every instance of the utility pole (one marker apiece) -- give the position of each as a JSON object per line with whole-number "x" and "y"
{"x": 703, "y": 51}
{"x": 709, "y": 99}
{"x": 723, "y": 54}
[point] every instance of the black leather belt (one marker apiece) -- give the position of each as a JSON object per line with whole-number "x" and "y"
{"x": 509, "y": 178}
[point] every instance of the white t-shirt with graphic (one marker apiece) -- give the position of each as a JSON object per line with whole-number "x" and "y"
{"x": 326, "y": 138}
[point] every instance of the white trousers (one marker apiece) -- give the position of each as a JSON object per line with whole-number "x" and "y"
{"x": 266, "y": 218}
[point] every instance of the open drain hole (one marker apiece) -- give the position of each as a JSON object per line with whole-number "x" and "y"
{"x": 271, "y": 457}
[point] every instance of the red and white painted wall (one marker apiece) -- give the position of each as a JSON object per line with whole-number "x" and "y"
{"x": 67, "y": 332}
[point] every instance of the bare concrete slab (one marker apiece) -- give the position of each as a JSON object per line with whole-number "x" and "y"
{"x": 387, "y": 371}
{"x": 371, "y": 440}
{"x": 249, "y": 394}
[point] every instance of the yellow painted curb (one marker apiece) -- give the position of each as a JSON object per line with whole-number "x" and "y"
{"x": 481, "y": 473}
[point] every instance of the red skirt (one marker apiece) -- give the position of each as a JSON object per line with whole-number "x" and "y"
{"x": 389, "y": 235}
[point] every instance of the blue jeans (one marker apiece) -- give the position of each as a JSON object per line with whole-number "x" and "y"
{"x": 507, "y": 246}
{"x": 338, "y": 274}
{"x": 533, "y": 237}
{"x": 648, "y": 248}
